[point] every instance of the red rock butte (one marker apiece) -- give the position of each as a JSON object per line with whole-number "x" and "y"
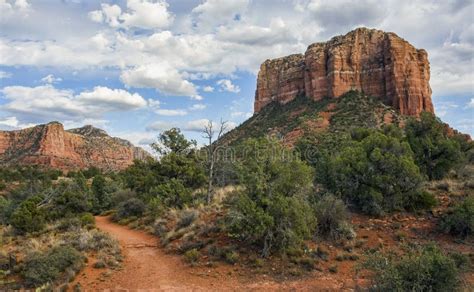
{"x": 51, "y": 146}
{"x": 378, "y": 63}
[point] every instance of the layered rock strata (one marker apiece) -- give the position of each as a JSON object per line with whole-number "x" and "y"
{"x": 377, "y": 63}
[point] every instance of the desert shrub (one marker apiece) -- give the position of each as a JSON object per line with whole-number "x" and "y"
{"x": 155, "y": 207}
{"x": 420, "y": 200}
{"x": 231, "y": 257}
{"x": 460, "y": 220}
{"x": 87, "y": 219}
{"x": 131, "y": 207}
{"x": 191, "y": 256}
{"x": 186, "y": 218}
{"x": 28, "y": 216}
{"x": 435, "y": 153}
{"x": 42, "y": 268}
{"x": 5, "y": 207}
{"x": 122, "y": 196}
{"x": 69, "y": 223}
{"x": 71, "y": 198}
{"x": 421, "y": 269}
{"x": 101, "y": 240}
{"x": 159, "y": 227}
{"x": 173, "y": 193}
{"x": 332, "y": 216}
{"x": 272, "y": 212}
{"x": 345, "y": 231}
{"x": 378, "y": 174}
{"x": 141, "y": 176}
{"x": 99, "y": 264}
{"x": 102, "y": 198}
{"x": 285, "y": 222}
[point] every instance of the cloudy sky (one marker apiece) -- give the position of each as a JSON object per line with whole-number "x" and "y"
{"x": 137, "y": 67}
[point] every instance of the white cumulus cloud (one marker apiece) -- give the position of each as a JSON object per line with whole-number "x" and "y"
{"x": 215, "y": 12}
{"x": 12, "y": 123}
{"x": 161, "y": 76}
{"x": 227, "y": 85}
{"x": 171, "y": 112}
{"x": 45, "y": 103}
{"x": 50, "y": 79}
{"x": 140, "y": 14}
{"x": 208, "y": 89}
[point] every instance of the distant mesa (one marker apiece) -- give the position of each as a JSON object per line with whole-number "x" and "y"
{"x": 377, "y": 63}
{"x": 50, "y": 145}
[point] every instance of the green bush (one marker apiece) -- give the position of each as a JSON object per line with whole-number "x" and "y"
{"x": 102, "y": 198}
{"x": 273, "y": 211}
{"x": 28, "y": 216}
{"x": 87, "y": 219}
{"x": 178, "y": 162}
{"x": 460, "y": 220}
{"x": 42, "y": 268}
{"x": 122, "y": 196}
{"x": 5, "y": 207}
{"x": 422, "y": 269}
{"x": 332, "y": 216}
{"x": 131, "y": 207}
{"x": 231, "y": 257}
{"x": 377, "y": 174}
{"x": 435, "y": 153}
{"x": 173, "y": 193}
{"x": 155, "y": 207}
{"x": 72, "y": 198}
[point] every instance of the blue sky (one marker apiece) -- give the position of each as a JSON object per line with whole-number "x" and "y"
{"x": 137, "y": 67}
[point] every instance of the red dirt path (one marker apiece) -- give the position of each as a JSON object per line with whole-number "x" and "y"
{"x": 147, "y": 267}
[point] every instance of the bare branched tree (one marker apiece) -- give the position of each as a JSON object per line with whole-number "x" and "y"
{"x": 209, "y": 133}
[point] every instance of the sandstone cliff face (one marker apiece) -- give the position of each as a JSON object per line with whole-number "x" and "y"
{"x": 377, "y": 63}
{"x": 50, "y": 145}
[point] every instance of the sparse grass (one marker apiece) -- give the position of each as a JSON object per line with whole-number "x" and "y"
{"x": 191, "y": 256}
{"x": 231, "y": 257}
{"x": 347, "y": 257}
{"x": 443, "y": 185}
{"x": 322, "y": 253}
{"x": 400, "y": 236}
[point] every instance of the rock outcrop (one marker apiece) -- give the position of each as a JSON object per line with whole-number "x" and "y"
{"x": 377, "y": 63}
{"x": 51, "y": 146}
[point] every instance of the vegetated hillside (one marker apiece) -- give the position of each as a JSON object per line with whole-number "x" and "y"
{"x": 303, "y": 115}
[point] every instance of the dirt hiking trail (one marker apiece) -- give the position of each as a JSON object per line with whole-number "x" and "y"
{"x": 146, "y": 267}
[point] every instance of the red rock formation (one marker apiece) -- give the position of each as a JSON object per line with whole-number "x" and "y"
{"x": 50, "y": 145}
{"x": 377, "y": 63}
